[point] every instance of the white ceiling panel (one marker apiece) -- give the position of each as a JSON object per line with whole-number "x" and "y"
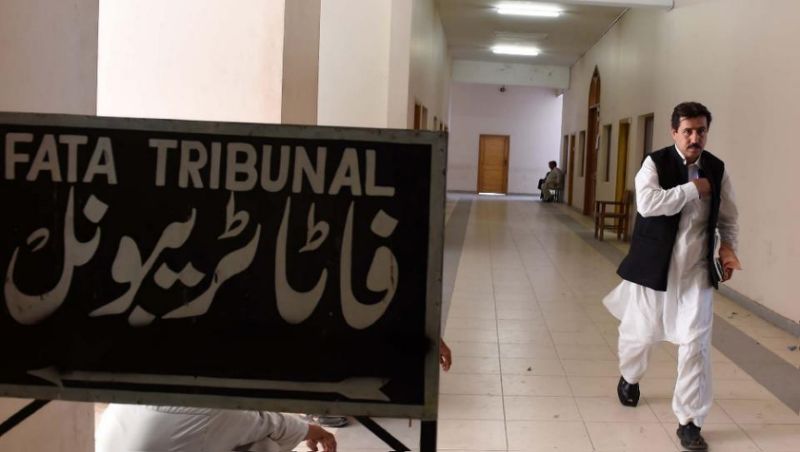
{"x": 472, "y": 27}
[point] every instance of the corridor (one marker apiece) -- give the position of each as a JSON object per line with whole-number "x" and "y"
{"x": 534, "y": 350}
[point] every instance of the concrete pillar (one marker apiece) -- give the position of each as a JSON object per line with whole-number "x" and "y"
{"x": 300, "y": 62}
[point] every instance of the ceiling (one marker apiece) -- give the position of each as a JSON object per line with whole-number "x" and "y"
{"x": 472, "y": 27}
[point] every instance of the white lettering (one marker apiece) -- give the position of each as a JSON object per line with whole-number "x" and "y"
{"x": 72, "y": 142}
{"x": 315, "y": 175}
{"x": 102, "y": 162}
{"x": 188, "y": 166}
{"x": 12, "y": 158}
{"x": 267, "y": 183}
{"x": 234, "y": 167}
{"x": 371, "y": 188}
{"x": 46, "y": 159}
{"x": 162, "y": 146}
{"x": 347, "y": 174}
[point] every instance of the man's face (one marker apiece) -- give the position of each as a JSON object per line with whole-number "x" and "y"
{"x": 691, "y": 136}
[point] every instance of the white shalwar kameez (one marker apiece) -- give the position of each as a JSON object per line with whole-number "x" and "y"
{"x": 138, "y": 428}
{"x": 683, "y": 313}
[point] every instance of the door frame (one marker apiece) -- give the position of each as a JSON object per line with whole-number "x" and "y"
{"x": 571, "y": 172}
{"x": 592, "y": 144}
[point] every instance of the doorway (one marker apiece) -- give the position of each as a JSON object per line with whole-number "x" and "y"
{"x": 592, "y": 144}
{"x": 493, "y": 164}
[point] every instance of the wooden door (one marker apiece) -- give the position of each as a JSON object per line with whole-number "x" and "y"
{"x": 622, "y": 160}
{"x": 592, "y": 142}
{"x": 571, "y": 172}
{"x": 493, "y": 164}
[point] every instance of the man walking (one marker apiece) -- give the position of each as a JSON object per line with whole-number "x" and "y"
{"x": 683, "y": 196}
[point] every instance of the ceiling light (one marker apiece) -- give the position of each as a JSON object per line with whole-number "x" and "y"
{"x": 515, "y": 50}
{"x": 528, "y": 9}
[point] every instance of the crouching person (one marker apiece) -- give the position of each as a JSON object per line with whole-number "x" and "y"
{"x": 129, "y": 428}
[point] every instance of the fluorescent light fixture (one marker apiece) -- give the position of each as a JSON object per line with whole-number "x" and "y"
{"x": 515, "y": 50}
{"x": 485, "y": 193}
{"x": 528, "y": 9}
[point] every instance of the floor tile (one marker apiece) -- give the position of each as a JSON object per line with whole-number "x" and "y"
{"x": 526, "y": 408}
{"x": 471, "y": 435}
{"x": 649, "y": 437}
{"x": 530, "y": 350}
{"x": 583, "y": 368}
{"x": 608, "y": 409}
{"x": 535, "y": 385}
{"x": 468, "y": 384}
{"x": 759, "y": 412}
{"x": 475, "y": 365}
{"x": 470, "y": 407}
{"x": 774, "y": 437}
{"x": 473, "y": 349}
{"x": 538, "y": 436}
{"x": 531, "y": 366}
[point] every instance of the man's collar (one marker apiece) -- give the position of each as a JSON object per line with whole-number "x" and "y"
{"x": 680, "y": 154}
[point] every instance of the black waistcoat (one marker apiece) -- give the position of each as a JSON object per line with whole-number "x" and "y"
{"x": 647, "y": 262}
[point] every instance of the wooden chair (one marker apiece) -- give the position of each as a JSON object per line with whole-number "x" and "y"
{"x": 618, "y": 212}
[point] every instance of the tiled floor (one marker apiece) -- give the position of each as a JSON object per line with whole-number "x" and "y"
{"x": 535, "y": 367}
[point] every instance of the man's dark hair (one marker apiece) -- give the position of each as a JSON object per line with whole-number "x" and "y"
{"x": 689, "y": 110}
{"x": 552, "y": 163}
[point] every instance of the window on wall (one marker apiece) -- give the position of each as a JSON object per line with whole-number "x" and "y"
{"x": 607, "y": 152}
{"x": 582, "y": 152}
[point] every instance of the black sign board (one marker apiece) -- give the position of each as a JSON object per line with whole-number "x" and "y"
{"x": 218, "y": 264}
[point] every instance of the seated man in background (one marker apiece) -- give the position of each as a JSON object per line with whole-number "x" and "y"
{"x": 552, "y": 181}
{"x": 135, "y": 428}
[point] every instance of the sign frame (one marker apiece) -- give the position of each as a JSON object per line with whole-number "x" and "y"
{"x": 438, "y": 144}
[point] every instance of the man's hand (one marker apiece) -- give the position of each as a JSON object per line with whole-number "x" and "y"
{"x": 703, "y": 187}
{"x": 445, "y": 358}
{"x": 319, "y": 436}
{"x": 729, "y": 261}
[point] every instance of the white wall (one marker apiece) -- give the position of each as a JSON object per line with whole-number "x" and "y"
{"x": 354, "y": 55}
{"x": 191, "y": 59}
{"x": 738, "y": 59}
{"x": 429, "y": 80}
{"x": 530, "y": 116}
{"x": 48, "y": 56}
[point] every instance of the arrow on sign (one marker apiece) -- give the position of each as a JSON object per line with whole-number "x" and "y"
{"x": 352, "y": 388}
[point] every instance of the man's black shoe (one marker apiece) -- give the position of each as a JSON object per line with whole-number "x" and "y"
{"x": 690, "y": 437}
{"x": 628, "y": 393}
